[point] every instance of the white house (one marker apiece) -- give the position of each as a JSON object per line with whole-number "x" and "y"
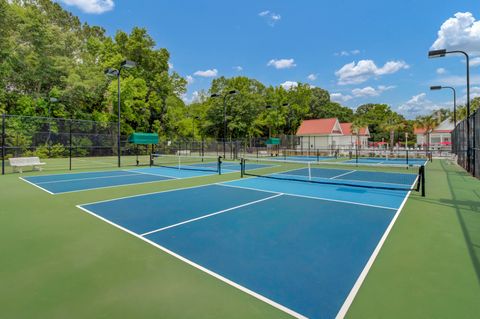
{"x": 440, "y": 136}
{"x": 330, "y": 134}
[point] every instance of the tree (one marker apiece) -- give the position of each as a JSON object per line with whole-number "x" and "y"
{"x": 356, "y": 127}
{"x": 428, "y": 123}
{"x": 391, "y": 124}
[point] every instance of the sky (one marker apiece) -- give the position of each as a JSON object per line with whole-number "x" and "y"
{"x": 360, "y": 51}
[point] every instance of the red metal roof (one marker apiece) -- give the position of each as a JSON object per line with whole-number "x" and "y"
{"x": 419, "y": 130}
{"x": 347, "y": 129}
{"x": 319, "y": 127}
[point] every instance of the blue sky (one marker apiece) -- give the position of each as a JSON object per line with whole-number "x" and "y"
{"x": 360, "y": 51}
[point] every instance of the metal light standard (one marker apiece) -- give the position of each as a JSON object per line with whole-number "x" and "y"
{"x": 215, "y": 95}
{"x": 440, "y": 54}
{"x": 116, "y": 73}
{"x": 438, "y": 87}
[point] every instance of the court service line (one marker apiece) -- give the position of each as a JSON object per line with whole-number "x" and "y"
{"x": 208, "y": 271}
{"x": 356, "y": 287}
{"x": 157, "y": 192}
{"x": 144, "y": 173}
{"x": 311, "y": 197}
{"x": 43, "y": 189}
{"x": 352, "y": 171}
{"x": 210, "y": 215}
{"x": 83, "y": 179}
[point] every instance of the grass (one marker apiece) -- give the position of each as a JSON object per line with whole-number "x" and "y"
{"x": 58, "y": 262}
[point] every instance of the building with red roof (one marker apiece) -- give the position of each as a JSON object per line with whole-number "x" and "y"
{"x": 330, "y": 133}
{"x": 440, "y": 136}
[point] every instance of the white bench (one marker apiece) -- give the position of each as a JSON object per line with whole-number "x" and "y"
{"x": 20, "y": 162}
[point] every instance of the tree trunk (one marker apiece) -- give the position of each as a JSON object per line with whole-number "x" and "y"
{"x": 392, "y": 137}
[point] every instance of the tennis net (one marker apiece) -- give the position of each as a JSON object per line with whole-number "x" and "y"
{"x": 187, "y": 162}
{"x": 393, "y": 177}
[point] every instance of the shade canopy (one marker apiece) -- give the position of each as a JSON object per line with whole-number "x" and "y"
{"x": 273, "y": 141}
{"x": 143, "y": 138}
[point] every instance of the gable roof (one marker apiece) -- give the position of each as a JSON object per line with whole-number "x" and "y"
{"x": 320, "y": 127}
{"x": 347, "y": 129}
{"x": 444, "y": 127}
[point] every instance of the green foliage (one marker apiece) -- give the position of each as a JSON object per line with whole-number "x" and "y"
{"x": 46, "y": 52}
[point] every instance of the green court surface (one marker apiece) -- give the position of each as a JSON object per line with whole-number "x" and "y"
{"x": 58, "y": 262}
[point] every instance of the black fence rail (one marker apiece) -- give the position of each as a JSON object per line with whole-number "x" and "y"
{"x": 60, "y": 143}
{"x": 466, "y": 145}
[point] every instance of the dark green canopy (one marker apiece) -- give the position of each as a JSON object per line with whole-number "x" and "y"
{"x": 273, "y": 141}
{"x": 143, "y": 138}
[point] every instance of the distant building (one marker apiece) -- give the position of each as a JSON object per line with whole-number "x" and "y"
{"x": 440, "y": 136}
{"x": 330, "y": 134}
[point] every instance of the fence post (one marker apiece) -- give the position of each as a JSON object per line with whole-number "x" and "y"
{"x": 70, "y": 145}
{"x": 3, "y": 143}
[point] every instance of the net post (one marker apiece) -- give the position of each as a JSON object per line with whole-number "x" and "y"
{"x": 70, "y": 145}
{"x": 318, "y": 155}
{"x": 406, "y": 150}
{"x": 3, "y": 143}
{"x": 219, "y": 165}
{"x": 242, "y": 167}
{"x": 309, "y": 171}
{"x": 422, "y": 177}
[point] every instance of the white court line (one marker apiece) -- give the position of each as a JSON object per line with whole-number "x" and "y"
{"x": 83, "y": 179}
{"x": 210, "y": 215}
{"x": 311, "y": 197}
{"x": 153, "y": 193}
{"x": 193, "y": 264}
{"x": 122, "y": 185}
{"x": 43, "y": 189}
{"x": 343, "y": 174}
{"x": 356, "y": 287}
{"x": 359, "y": 182}
{"x": 144, "y": 173}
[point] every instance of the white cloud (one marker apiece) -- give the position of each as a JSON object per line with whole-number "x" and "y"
{"x": 91, "y": 6}
{"x": 287, "y": 85}
{"x": 207, "y": 73}
{"x": 312, "y": 77}
{"x": 339, "y": 97}
{"x": 195, "y": 97}
{"x": 355, "y": 73}
{"x": 190, "y": 79}
{"x": 370, "y": 91}
{"x": 347, "y": 53}
{"x": 238, "y": 68}
{"x": 462, "y": 32}
{"x": 441, "y": 71}
{"x": 458, "y": 80}
{"x": 170, "y": 65}
{"x": 418, "y": 105}
{"x": 475, "y": 61}
{"x": 270, "y": 17}
{"x": 282, "y": 63}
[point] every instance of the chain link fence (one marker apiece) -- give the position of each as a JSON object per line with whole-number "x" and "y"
{"x": 60, "y": 143}
{"x": 467, "y": 146}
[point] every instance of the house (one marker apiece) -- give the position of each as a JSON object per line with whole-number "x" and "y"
{"x": 330, "y": 134}
{"x": 440, "y": 136}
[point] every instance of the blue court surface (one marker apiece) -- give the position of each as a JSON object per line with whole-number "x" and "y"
{"x": 301, "y": 247}
{"x": 299, "y": 158}
{"x": 389, "y": 161}
{"x": 74, "y": 182}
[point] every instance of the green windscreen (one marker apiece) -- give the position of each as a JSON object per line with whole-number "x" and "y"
{"x": 143, "y": 138}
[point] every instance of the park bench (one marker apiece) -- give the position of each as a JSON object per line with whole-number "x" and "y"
{"x": 17, "y": 163}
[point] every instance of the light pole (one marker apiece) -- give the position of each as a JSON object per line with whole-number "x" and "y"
{"x": 438, "y": 87}
{"x": 215, "y": 95}
{"x": 440, "y": 54}
{"x": 116, "y": 73}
